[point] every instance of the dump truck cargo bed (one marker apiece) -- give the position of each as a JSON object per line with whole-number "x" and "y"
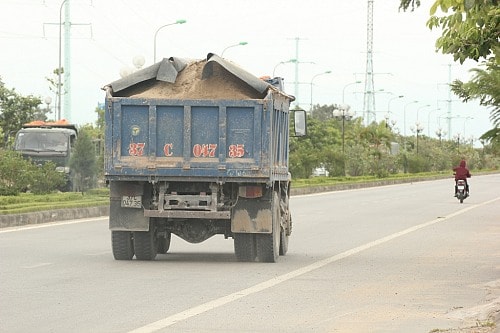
{"x": 196, "y": 138}
{"x": 244, "y": 139}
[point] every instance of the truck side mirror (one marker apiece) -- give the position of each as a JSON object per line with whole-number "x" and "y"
{"x": 300, "y": 121}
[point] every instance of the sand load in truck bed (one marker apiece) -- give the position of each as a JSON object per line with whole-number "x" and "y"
{"x": 174, "y": 78}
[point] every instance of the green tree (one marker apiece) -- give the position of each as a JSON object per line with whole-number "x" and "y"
{"x": 16, "y": 173}
{"x": 378, "y": 139}
{"x": 16, "y": 110}
{"x": 315, "y": 149}
{"x": 485, "y": 87}
{"x": 83, "y": 161}
{"x": 45, "y": 179}
{"x": 471, "y": 30}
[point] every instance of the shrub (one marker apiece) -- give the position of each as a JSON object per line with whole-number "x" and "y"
{"x": 16, "y": 173}
{"x": 46, "y": 179}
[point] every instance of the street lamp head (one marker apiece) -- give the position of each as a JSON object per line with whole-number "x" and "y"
{"x": 326, "y": 72}
{"x": 347, "y": 85}
{"x": 234, "y": 45}
{"x": 343, "y": 111}
{"x": 180, "y": 21}
{"x": 282, "y": 63}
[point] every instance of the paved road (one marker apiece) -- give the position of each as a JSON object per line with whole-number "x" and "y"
{"x": 402, "y": 258}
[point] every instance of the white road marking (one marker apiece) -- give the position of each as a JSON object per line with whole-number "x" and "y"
{"x": 205, "y": 307}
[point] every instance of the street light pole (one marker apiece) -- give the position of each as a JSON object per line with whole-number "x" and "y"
{"x": 457, "y": 137}
{"x": 344, "y": 113}
{"x": 239, "y": 44}
{"x": 418, "y": 128}
{"x": 440, "y": 133}
{"x": 315, "y": 76}
{"x": 389, "y": 103}
{"x": 465, "y": 121}
{"x": 429, "y": 121}
{"x": 347, "y": 85}
{"x": 404, "y": 116}
{"x": 422, "y": 107}
{"x": 156, "y": 34}
{"x": 59, "y": 69}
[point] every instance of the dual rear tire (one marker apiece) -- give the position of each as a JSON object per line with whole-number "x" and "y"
{"x": 264, "y": 247}
{"x": 145, "y": 245}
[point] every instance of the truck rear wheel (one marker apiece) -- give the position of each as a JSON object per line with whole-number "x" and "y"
{"x": 146, "y": 244}
{"x": 268, "y": 245}
{"x": 164, "y": 243}
{"x": 244, "y": 246}
{"x": 122, "y": 245}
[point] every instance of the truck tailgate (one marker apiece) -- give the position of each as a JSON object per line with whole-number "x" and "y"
{"x": 183, "y": 138}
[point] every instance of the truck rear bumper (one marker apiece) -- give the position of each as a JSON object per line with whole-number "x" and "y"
{"x": 192, "y": 214}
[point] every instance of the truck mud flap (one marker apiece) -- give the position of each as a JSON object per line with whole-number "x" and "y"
{"x": 126, "y": 219}
{"x": 252, "y": 216}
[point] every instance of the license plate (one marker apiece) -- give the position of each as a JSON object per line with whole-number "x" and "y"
{"x": 132, "y": 201}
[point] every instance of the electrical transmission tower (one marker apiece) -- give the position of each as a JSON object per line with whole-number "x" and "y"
{"x": 369, "y": 96}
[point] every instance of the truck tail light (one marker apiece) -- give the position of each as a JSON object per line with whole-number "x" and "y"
{"x": 250, "y": 191}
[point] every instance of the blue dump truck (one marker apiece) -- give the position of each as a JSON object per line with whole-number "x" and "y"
{"x": 197, "y": 148}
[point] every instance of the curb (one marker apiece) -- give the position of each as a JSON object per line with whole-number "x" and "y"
{"x": 353, "y": 186}
{"x": 17, "y": 220}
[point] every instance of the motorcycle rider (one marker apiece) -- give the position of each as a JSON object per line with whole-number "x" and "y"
{"x": 462, "y": 173}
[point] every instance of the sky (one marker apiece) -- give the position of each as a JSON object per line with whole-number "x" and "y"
{"x": 324, "y": 36}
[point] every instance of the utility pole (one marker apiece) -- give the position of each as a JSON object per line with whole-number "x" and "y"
{"x": 297, "y": 62}
{"x": 67, "y": 24}
{"x": 369, "y": 95}
{"x": 448, "y": 101}
{"x": 67, "y": 61}
{"x": 296, "y": 81}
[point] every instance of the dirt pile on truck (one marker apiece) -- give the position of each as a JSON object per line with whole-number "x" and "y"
{"x": 208, "y": 79}
{"x": 190, "y": 84}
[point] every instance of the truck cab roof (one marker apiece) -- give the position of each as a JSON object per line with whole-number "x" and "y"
{"x": 62, "y": 124}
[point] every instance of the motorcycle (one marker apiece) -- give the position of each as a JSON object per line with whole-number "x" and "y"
{"x": 461, "y": 190}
